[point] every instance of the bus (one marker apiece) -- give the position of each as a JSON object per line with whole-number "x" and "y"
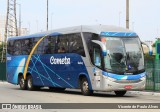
{"x": 91, "y": 58}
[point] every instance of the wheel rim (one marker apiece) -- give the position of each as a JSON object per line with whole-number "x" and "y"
{"x": 29, "y": 83}
{"x": 85, "y": 86}
{"x": 22, "y": 82}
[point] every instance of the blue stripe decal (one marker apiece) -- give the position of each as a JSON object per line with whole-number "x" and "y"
{"x": 34, "y": 67}
{"x": 45, "y": 70}
{"x": 124, "y": 77}
{"x": 118, "y": 34}
{"x": 53, "y": 72}
{"x": 45, "y": 77}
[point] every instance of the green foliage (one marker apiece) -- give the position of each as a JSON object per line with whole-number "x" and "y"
{"x": 147, "y": 57}
{"x": 1, "y": 48}
{"x": 154, "y": 45}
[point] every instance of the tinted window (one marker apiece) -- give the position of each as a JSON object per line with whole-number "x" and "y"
{"x": 10, "y": 47}
{"x": 76, "y": 44}
{"x": 62, "y": 43}
{"x": 17, "y": 47}
{"x": 88, "y": 37}
{"x": 50, "y": 46}
{"x": 70, "y": 43}
{"x": 97, "y": 56}
{"x": 26, "y": 46}
{"x": 20, "y": 47}
{"x": 46, "y": 46}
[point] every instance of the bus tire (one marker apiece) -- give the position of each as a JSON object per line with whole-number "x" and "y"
{"x": 85, "y": 87}
{"x": 22, "y": 83}
{"x": 30, "y": 83}
{"x": 120, "y": 93}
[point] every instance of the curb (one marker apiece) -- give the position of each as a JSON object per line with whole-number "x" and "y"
{"x": 144, "y": 93}
{"x": 4, "y": 82}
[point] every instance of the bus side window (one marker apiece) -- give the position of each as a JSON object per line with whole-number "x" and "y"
{"x": 97, "y": 57}
{"x": 88, "y": 37}
{"x": 62, "y": 44}
{"x": 76, "y": 44}
{"x": 41, "y": 47}
{"x": 10, "y": 47}
{"x": 34, "y": 41}
{"x": 26, "y": 46}
{"x": 50, "y": 45}
{"x": 17, "y": 47}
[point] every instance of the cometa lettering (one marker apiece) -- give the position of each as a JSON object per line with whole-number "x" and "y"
{"x": 62, "y": 61}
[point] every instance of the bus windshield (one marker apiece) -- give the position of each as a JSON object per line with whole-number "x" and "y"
{"x": 124, "y": 55}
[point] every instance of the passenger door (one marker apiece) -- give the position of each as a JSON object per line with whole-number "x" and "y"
{"x": 97, "y": 61}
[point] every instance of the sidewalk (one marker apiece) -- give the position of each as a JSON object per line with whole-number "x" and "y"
{"x": 148, "y": 93}
{"x": 3, "y": 82}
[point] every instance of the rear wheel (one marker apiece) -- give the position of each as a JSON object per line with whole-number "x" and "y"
{"x": 120, "y": 93}
{"x": 22, "y": 83}
{"x": 30, "y": 83}
{"x": 85, "y": 87}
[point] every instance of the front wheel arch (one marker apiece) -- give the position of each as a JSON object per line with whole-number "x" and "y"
{"x": 84, "y": 85}
{"x": 81, "y": 76}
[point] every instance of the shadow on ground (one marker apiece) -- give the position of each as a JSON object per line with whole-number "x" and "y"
{"x": 78, "y": 92}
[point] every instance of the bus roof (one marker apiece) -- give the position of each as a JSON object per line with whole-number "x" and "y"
{"x": 97, "y": 29}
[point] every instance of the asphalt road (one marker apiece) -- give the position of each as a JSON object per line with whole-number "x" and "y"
{"x": 12, "y": 94}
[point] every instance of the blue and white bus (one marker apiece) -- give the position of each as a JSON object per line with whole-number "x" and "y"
{"x": 92, "y": 58}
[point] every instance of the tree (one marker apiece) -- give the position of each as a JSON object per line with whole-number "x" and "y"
{"x": 154, "y": 45}
{"x": 1, "y": 50}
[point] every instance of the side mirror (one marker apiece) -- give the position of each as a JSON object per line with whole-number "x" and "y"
{"x": 102, "y": 45}
{"x": 149, "y": 47}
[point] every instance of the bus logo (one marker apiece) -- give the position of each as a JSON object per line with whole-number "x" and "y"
{"x": 60, "y": 61}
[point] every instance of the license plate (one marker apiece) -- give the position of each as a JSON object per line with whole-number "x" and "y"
{"x": 128, "y": 87}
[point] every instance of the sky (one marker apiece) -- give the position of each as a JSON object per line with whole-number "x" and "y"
{"x": 144, "y": 16}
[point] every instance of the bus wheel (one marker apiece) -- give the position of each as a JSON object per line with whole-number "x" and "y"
{"x": 30, "y": 83}
{"x": 85, "y": 87}
{"x": 120, "y": 93}
{"x": 22, "y": 83}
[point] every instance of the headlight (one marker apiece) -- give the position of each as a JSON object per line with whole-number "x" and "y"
{"x": 143, "y": 78}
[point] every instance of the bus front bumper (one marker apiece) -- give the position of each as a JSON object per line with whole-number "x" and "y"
{"x": 110, "y": 84}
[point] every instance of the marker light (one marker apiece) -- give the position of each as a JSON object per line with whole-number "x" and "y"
{"x": 103, "y": 39}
